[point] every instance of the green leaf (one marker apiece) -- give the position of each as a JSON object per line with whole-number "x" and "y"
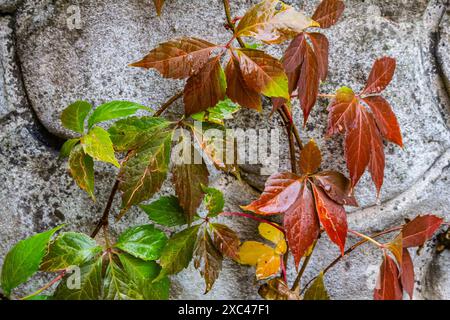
{"x": 131, "y": 133}
{"x": 141, "y": 274}
{"x": 117, "y": 285}
{"x": 146, "y": 169}
{"x": 223, "y": 110}
{"x": 23, "y": 260}
{"x": 67, "y": 147}
{"x": 70, "y": 249}
{"x": 98, "y": 145}
{"x": 208, "y": 259}
{"x": 317, "y": 290}
{"x": 81, "y": 168}
{"x": 188, "y": 180}
{"x": 113, "y": 110}
{"x": 144, "y": 242}
{"x": 74, "y": 115}
{"x": 178, "y": 252}
{"x": 213, "y": 200}
{"x": 90, "y": 285}
{"x": 165, "y": 211}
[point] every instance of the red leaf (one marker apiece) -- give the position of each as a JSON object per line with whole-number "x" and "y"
{"x": 301, "y": 224}
{"x": 407, "y": 273}
{"x": 295, "y": 53}
{"x": 237, "y": 90}
{"x": 280, "y": 193}
{"x": 377, "y": 160}
{"x": 226, "y": 240}
{"x": 385, "y": 119}
{"x": 336, "y": 186}
{"x": 342, "y": 111}
{"x": 159, "y": 5}
{"x": 357, "y": 146}
{"x": 206, "y": 88}
{"x": 321, "y": 47}
{"x": 363, "y": 143}
{"x": 179, "y": 58}
{"x": 332, "y": 216}
{"x": 328, "y": 12}
{"x": 381, "y": 75}
{"x": 420, "y": 230}
{"x": 308, "y": 83}
{"x": 310, "y": 158}
{"x": 388, "y": 286}
{"x": 187, "y": 181}
{"x": 263, "y": 73}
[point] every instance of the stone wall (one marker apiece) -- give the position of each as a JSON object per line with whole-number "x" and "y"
{"x": 45, "y": 64}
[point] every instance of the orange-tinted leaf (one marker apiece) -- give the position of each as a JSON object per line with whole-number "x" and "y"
{"x": 188, "y": 180}
{"x": 267, "y": 266}
{"x": 377, "y": 160}
{"x": 385, "y": 119}
{"x": 310, "y": 158}
{"x": 388, "y": 285}
{"x": 179, "y": 58}
{"x": 159, "y": 5}
{"x": 226, "y": 240}
{"x": 420, "y": 230}
{"x": 208, "y": 260}
{"x": 328, "y": 12}
{"x": 237, "y": 90}
{"x": 206, "y": 88}
{"x": 358, "y": 145}
{"x": 363, "y": 139}
{"x": 381, "y": 75}
{"x": 342, "y": 111}
{"x": 336, "y": 186}
{"x": 301, "y": 224}
{"x": 407, "y": 273}
{"x": 280, "y": 193}
{"x": 277, "y": 289}
{"x": 396, "y": 247}
{"x": 272, "y": 21}
{"x": 321, "y": 47}
{"x": 263, "y": 73}
{"x": 332, "y": 216}
{"x": 295, "y": 53}
{"x": 308, "y": 83}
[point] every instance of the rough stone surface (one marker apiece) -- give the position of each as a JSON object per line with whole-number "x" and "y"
{"x": 9, "y": 6}
{"x": 59, "y": 65}
{"x": 443, "y": 51}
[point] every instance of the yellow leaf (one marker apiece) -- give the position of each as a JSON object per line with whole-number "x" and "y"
{"x": 274, "y": 235}
{"x": 251, "y": 252}
{"x": 268, "y": 265}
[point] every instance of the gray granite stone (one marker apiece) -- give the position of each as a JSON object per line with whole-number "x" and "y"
{"x": 63, "y": 62}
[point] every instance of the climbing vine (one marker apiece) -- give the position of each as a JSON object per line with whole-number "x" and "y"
{"x": 139, "y": 263}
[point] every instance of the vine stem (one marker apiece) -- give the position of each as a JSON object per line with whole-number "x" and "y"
{"x": 226, "y": 5}
{"x": 103, "y": 222}
{"x": 350, "y": 250}
{"x": 296, "y": 284}
{"x": 246, "y": 215}
{"x": 367, "y": 238}
{"x": 48, "y": 285}
{"x": 167, "y": 104}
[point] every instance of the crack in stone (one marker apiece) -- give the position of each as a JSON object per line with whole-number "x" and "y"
{"x": 39, "y": 131}
{"x": 407, "y": 197}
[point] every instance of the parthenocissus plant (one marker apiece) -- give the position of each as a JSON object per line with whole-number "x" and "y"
{"x": 139, "y": 263}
